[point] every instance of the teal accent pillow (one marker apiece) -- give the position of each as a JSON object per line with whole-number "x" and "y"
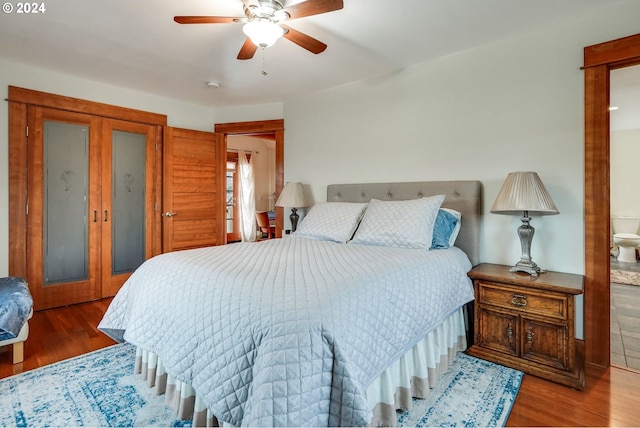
{"x": 444, "y": 228}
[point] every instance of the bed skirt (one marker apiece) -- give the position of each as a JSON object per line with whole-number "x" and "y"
{"x": 413, "y": 375}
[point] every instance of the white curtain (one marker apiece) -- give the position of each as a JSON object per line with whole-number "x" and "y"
{"x": 247, "y": 202}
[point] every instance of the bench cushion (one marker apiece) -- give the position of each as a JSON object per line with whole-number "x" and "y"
{"x": 15, "y": 306}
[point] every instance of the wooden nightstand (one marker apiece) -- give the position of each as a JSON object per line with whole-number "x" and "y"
{"x": 527, "y": 323}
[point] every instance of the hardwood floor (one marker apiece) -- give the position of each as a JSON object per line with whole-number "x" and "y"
{"x": 610, "y": 398}
{"x": 58, "y": 334}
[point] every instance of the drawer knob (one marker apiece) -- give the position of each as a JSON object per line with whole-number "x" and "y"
{"x": 530, "y": 335}
{"x": 519, "y": 300}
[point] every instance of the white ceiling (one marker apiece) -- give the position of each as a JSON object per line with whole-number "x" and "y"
{"x": 136, "y": 44}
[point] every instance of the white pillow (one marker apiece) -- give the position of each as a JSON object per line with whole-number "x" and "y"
{"x": 331, "y": 221}
{"x": 406, "y": 224}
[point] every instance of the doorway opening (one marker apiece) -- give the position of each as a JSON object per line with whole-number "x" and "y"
{"x": 265, "y": 141}
{"x": 625, "y": 217}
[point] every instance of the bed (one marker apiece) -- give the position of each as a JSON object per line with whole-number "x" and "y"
{"x": 322, "y": 328}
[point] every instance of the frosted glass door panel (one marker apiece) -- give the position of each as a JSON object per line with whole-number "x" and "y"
{"x": 66, "y": 148}
{"x": 128, "y": 181}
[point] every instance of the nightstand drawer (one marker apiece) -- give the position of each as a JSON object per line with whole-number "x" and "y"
{"x": 524, "y": 300}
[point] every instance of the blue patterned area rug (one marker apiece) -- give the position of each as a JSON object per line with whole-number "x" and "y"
{"x": 473, "y": 393}
{"x": 99, "y": 390}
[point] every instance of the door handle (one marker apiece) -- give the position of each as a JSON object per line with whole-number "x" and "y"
{"x": 169, "y": 214}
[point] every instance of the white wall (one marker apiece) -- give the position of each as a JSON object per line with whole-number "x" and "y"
{"x": 179, "y": 114}
{"x": 625, "y": 174}
{"x": 512, "y": 105}
{"x": 480, "y": 114}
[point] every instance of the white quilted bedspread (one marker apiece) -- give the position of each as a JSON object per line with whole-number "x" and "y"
{"x": 287, "y": 332}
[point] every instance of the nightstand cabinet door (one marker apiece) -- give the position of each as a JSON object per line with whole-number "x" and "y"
{"x": 545, "y": 343}
{"x": 498, "y": 330}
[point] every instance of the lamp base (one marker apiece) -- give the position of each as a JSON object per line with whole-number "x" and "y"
{"x": 527, "y": 266}
{"x": 294, "y": 219}
{"x": 525, "y": 232}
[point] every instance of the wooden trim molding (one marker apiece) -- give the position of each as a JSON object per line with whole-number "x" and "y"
{"x": 17, "y": 189}
{"x": 240, "y": 128}
{"x": 598, "y": 61}
{"x": 613, "y": 53}
{"x": 596, "y": 152}
{"x": 59, "y": 102}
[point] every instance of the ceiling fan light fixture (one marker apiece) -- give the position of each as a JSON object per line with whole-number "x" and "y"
{"x": 262, "y": 32}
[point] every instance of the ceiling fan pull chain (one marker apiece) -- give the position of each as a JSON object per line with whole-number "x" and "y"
{"x": 264, "y": 62}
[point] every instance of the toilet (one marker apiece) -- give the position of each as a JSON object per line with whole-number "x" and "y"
{"x": 625, "y": 236}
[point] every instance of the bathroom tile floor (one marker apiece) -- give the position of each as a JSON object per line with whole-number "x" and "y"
{"x": 625, "y": 320}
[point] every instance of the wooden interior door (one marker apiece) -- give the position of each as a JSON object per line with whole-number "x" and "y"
{"x": 63, "y": 235}
{"x": 193, "y": 187}
{"x": 128, "y": 207}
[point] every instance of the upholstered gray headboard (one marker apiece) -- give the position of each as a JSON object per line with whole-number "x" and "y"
{"x": 463, "y": 196}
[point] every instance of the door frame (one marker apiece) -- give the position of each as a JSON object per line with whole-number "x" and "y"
{"x": 271, "y": 127}
{"x": 599, "y": 60}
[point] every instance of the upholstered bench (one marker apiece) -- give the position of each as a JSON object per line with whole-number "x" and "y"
{"x": 16, "y": 308}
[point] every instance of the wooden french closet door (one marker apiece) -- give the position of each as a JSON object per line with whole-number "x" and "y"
{"x": 128, "y": 195}
{"x": 63, "y": 235}
{"x": 91, "y": 204}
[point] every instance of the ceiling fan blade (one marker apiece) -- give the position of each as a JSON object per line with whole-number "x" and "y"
{"x": 303, "y": 40}
{"x": 247, "y": 50}
{"x": 313, "y": 7}
{"x": 205, "y": 19}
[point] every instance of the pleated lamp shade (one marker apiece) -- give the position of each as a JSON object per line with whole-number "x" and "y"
{"x": 523, "y": 191}
{"x": 292, "y": 196}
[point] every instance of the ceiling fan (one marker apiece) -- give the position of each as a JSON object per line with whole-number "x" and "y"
{"x": 263, "y": 23}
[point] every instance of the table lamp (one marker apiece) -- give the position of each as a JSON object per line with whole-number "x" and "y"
{"x": 522, "y": 194}
{"x": 293, "y": 196}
